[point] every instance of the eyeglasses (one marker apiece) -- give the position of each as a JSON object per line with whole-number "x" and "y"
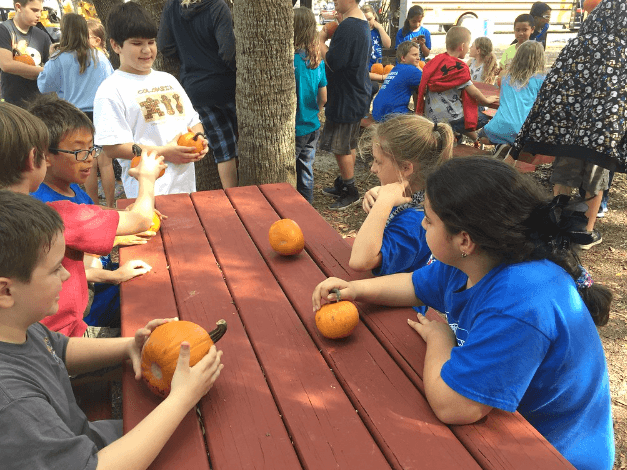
{"x": 546, "y": 17}
{"x": 81, "y": 155}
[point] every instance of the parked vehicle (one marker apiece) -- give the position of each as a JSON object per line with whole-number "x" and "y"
{"x": 327, "y": 13}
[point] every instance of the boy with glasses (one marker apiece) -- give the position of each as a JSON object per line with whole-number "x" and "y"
{"x": 541, "y": 13}
{"x": 67, "y": 162}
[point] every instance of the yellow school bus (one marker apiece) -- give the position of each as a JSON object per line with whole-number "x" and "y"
{"x": 442, "y": 15}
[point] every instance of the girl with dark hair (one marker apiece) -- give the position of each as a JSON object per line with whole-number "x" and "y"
{"x": 521, "y": 310}
{"x": 414, "y": 31}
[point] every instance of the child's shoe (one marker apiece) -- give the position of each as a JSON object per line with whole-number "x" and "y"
{"x": 349, "y": 196}
{"x": 336, "y": 189}
{"x": 596, "y": 239}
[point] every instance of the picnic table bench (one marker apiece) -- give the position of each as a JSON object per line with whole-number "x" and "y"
{"x": 289, "y": 398}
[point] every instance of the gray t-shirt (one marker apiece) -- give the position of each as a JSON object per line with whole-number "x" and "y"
{"x": 43, "y": 426}
{"x": 15, "y": 89}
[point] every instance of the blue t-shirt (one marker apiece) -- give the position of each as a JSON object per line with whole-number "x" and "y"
{"x": 62, "y": 75}
{"x": 514, "y": 107}
{"x": 422, "y": 31}
{"x": 377, "y": 50}
{"x": 394, "y": 95}
{"x": 527, "y": 342}
{"x": 46, "y": 194}
{"x": 307, "y": 83}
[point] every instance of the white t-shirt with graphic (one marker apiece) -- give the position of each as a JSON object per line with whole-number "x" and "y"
{"x": 150, "y": 110}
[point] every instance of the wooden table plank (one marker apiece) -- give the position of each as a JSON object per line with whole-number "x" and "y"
{"x": 143, "y": 299}
{"x": 397, "y": 415}
{"x": 496, "y": 441}
{"x": 326, "y": 431}
{"x": 243, "y": 425}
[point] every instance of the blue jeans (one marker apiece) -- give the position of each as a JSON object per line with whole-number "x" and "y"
{"x": 305, "y": 156}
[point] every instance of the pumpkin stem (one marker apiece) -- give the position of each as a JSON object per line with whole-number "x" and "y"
{"x": 337, "y": 293}
{"x": 218, "y": 333}
{"x": 197, "y": 134}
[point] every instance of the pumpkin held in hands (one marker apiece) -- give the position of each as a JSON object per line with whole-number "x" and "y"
{"x": 161, "y": 351}
{"x": 135, "y": 161}
{"x": 191, "y": 139}
{"x": 156, "y": 223}
{"x": 286, "y": 237}
{"x": 337, "y": 320}
{"x": 377, "y": 68}
{"x": 387, "y": 69}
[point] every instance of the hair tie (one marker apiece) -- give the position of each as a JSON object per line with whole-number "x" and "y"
{"x": 584, "y": 280}
{"x": 435, "y": 125}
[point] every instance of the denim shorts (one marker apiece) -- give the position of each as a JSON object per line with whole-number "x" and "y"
{"x": 220, "y": 123}
{"x": 458, "y": 124}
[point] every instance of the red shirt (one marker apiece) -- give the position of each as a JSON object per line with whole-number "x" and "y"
{"x": 88, "y": 229}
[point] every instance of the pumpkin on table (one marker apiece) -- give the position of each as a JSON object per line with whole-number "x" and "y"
{"x": 161, "y": 351}
{"x": 286, "y": 237}
{"x": 337, "y": 319}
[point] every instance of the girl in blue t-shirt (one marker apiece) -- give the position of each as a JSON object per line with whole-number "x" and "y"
{"x": 311, "y": 95}
{"x": 379, "y": 36}
{"x": 405, "y": 149}
{"x": 521, "y": 310}
{"x": 519, "y": 90}
{"x": 413, "y": 30}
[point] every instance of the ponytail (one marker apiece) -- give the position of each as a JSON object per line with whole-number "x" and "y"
{"x": 506, "y": 214}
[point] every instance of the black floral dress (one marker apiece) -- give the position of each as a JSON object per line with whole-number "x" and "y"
{"x": 581, "y": 109}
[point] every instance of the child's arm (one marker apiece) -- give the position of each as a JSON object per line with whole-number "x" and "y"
{"x": 378, "y": 203}
{"x": 449, "y": 406}
{"x": 424, "y": 49}
{"x": 386, "y": 41}
{"x": 322, "y": 97}
{"x": 476, "y": 94}
{"x": 139, "y": 218}
{"x": 127, "y": 271}
{"x": 15, "y": 67}
{"x": 395, "y": 290}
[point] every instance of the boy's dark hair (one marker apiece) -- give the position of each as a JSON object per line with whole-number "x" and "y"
{"x": 27, "y": 229}
{"x": 20, "y": 131}
{"x": 539, "y": 9}
{"x": 503, "y": 211}
{"x": 60, "y": 117}
{"x": 130, "y": 20}
{"x": 404, "y": 48}
{"x": 525, "y": 18}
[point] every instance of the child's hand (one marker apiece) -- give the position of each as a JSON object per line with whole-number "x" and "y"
{"x": 420, "y": 40}
{"x": 323, "y": 292}
{"x": 135, "y": 347}
{"x": 150, "y": 165}
{"x": 370, "y": 198}
{"x": 132, "y": 269}
{"x": 179, "y": 155}
{"x": 130, "y": 240}
{"x": 492, "y": 100}
{"x": 394, "y": 193}
{"x": 430, "y": 330}
{"x": 190, "y": 384}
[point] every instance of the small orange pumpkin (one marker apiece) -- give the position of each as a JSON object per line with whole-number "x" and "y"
{"x": 338, "y": 319}
{"x": 590, "y": 5}
{"x": 421, "y": 64}
{"x": 387, "y": 69}
{"x": 160, "y": 353}
{"x": 377, "y": 68}
{"x": 156, "y": 223}
{"x": 286, "y": 237}
{"x": 135, "y": 161}
{"x": 330, "y": 28}
{"x": 190, "y": 139}
{"x": 24, "y": 58}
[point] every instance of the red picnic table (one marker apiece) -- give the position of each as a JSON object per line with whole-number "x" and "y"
{"x": 289, "y": 398}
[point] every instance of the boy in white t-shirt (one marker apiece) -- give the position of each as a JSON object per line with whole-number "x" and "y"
{"x": 140, "y": 107}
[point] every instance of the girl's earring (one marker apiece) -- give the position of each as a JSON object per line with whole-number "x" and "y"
{"x": 464, "y": 254}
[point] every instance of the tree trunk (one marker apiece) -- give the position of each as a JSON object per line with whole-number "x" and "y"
{"x": 266, "y": 91}
{"x": 206, "y": 169}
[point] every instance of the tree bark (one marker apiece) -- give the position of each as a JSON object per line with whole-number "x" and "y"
{"x": 266, "y": 91}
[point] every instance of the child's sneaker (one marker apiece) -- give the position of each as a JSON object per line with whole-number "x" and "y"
{"x": 349, "y": 196}
{"x": 602, "y": 212}
{"x": 596, "y": 239}
{"x": 336, "y": 189}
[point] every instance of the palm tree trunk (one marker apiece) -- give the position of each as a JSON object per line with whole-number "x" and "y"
{"x": 265, "y": 93}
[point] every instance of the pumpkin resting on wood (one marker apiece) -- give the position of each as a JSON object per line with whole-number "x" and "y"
{"x": 160, "y": 353}
{"x": 286, "y": 237}
{"x": 338, "y": 319}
